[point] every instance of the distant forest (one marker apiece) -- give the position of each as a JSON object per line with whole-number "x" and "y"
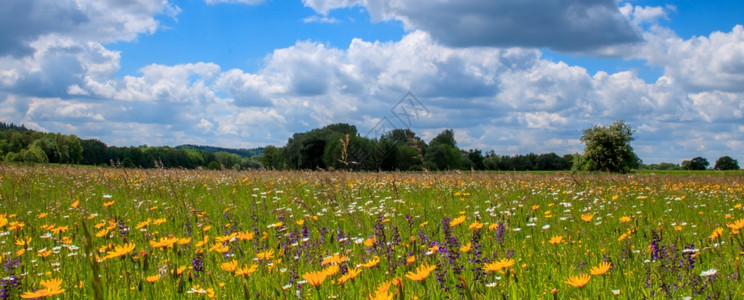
{"x": 336, "y": 146}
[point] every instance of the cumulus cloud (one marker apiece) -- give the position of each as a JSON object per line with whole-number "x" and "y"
{"x": 510, "y": 100}
{"x": 561, "y": 25}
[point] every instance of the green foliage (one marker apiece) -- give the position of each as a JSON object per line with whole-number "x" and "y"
{"x": 726, "y": 163}
{"x": 608, "y": 148}
{"x": 697, "y": 163}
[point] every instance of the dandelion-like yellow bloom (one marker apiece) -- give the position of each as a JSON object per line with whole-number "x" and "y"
{"x": 351, "y": 274}
{"x": 331, "y": 270}
{"x": 624, "y": 219}
{"x": 164, "y": 242}
{"x": 266, "y": 255}
{"x": 738, "y": 225}
{"x": 466, "y": 248}
{"x": 381, "y": 293}
{"x": 120, "y": 251}
{"x": 314, "y": 278}
{"x": 716, "y": 233}
{"x": 226, "y": 238}
{"x": 578, "y": 281}
{"x": 498, "y": 266}
{"x": 107, "y": 204}
{"x": 421, "y": 273}
{"x": 411, "y": 259}
{"x": 601, "y": 268}
{"x": 143, "y": 224}
{"x": 587, "y": 217}
{"x": 334, "y": 259}
{"x": 159, "y": 221}
{"x": 153, "y": 278}
{"x": 246, "y": 271}
{"x": 457, "y": 221}
{"x": 219, "y": 247}
{"x": 51, "y": 287}
{"x": 229, "y": 266}
{"x": 557, "y": 239}
{"x": 476, "y": 225}
{"x": 246, "y": 235}
{"x": 371, "y": 263}
{"x": 370, "y": 241}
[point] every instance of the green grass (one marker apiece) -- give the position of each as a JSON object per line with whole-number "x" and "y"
{"x": 327, "y": 213}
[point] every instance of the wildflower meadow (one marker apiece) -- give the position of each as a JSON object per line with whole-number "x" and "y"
{"x": 108, "y": 233}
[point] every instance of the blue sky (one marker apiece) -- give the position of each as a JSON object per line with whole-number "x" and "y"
{"x": 511, "y": 76}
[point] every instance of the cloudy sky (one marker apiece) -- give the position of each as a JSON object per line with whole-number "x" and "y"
{"x": 514, "y": 76}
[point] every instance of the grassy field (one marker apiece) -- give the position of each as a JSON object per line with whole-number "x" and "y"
{"x": 69, "y": 232}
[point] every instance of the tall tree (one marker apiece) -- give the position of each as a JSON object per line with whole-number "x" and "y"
{"x": 697, "y": 163}
{"x": 726, "y": 163}
{"x": 608, "y": 148}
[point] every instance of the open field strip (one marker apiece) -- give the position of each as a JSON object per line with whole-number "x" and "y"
{"x": 68, "y": 232}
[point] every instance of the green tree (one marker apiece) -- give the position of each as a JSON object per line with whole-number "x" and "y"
{"x": 608, "y": 148}
{"x": 697, "y": 163}
{"x": 726, "y": 163}
{"x": 442, "y": 152}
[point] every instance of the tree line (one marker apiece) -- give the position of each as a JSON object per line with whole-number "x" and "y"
{"x": 20, "y": 144}
{"x": 340, "y": 146}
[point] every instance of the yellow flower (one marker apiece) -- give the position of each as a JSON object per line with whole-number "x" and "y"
{"x": 120, "y": 251}
{"x": 411, "y": 259}
{"x": 164, "y": 242}
{"x": 153, "y": 278}
{"x": 102, "y": 232}
{"x": 203, "y": 242}
{"x": 476, "y": 225}
{"x": 370, "y": 241}
{"x": 578, "y": 281}
{"x": 159, "y": 221}
{"x": 226, "y": 238}
{"x": 180, "y": 270}
{"x": 422, "y": 272}
{"x": 300, "y": 222}
{"x": 75, "y": 204}
{"x": 266, "y": 255}
{"x": 331, "y": 270}
{"x": 601, "y": 268}
{"x": 51, "y": 287}
{"x": 107, "y": 204}
{"x": 3, "y": 220}
{"x": 423, "y": 224}
{"x": 556, "y": 239}
{"x": 183, "y": 241}
{"x": 229, "y": 266}
{"x": 498, "y": 266}
{"x": 466, "y": 248}
{"x": 738, "y": 225}
{"x": 314, "y": 278}
{"x": 142, "y": 224}
{"x": 351, "y": 274}
{"x": 457, "y": 221}
{"x": 716, "y": 233}
{"x": 381, "y": 293}
{"x": 245, "y": 271}
{"x": 371, "y": 263}
{"x": 334, "y": 259}
{"x": 219, "y": 247}
{"x": 624, "y": 219}
{"x": 245, "y": 235}
{"x": 587, "y": 217}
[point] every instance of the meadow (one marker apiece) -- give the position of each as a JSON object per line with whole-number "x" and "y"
{"x": 104, "y": 233}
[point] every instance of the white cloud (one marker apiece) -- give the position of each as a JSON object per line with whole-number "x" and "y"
{"x": 563, "y": 25}
{"x": 249, "y": 2}
{"x": 320, "y": 19}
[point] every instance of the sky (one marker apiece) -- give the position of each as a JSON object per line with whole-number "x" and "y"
{"x": 512, "y": 76}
